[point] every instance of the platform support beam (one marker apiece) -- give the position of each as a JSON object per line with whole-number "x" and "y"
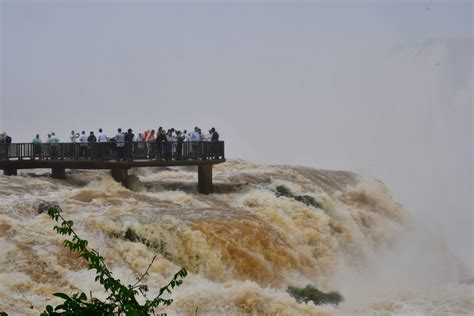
{"x": 205, "y": 179}
{"x": 9, "y": 171}
{"x": 58, "y": 173}
{"x": 120, "y": 175}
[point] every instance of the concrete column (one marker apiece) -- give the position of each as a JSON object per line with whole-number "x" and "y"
{"x": 9, "y": 171}
{"x": 58, "y": 173}
{"x": 120, "y": 175}
{"x": 205, "y": 179}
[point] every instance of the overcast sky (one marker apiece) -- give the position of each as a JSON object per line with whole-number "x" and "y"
{"x": 383, "y": 88}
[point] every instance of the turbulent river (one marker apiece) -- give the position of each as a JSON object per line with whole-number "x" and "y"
{"x": 243, "y": 246}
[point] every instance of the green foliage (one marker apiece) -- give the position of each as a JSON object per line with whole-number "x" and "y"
{"x": 122, "y": 299}
{"x": 160, "y": 246}
{"x": 308, "y": 200}
{"x": 310, "y": 293}
{"x": 282, "y": 190}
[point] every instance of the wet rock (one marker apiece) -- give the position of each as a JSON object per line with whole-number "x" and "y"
{"x": 310, "y": 293}
{"x": 131, "y": 235}
{"x": 44, "y": 206}
{"x": 308, "y": 200}
{"x": 281, "y": 190}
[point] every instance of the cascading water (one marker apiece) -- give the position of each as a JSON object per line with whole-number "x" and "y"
{"x": 242, "y": 245}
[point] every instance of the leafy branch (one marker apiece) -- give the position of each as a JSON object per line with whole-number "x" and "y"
{"x": 122, "y": 299}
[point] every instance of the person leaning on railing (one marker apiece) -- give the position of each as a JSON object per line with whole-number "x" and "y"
{"x": 119, "y": 144}
{"x": 149, "y": 140}
{"x": 129, "y": 136}
{"x": 54, "y": 141}
{"x": 160, "y": 140}
{"x": 83, "y": 140}
{"x": 214, "y": 138}
{"x": 102, "y": 147}
{"x": 92, "y": 141}
{"x": 195, "y": 139}
{"x": 37, "y": 151}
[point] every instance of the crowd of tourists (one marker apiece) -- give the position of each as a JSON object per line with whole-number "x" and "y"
{"x": 162, "y": 144}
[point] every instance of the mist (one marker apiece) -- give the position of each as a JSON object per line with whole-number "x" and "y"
{"x": 380, "y": 89}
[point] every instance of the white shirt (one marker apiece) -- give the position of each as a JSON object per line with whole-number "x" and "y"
{"x": 83, "y": 138}
{"x": 120, "y": 140}
{"x": 195, "y": 137}
{"x": 102, "y": 138}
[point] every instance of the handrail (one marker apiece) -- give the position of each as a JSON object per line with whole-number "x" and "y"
{"x": 204, "y": 150}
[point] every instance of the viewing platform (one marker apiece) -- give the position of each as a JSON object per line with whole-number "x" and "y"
{"x": 61, "y": 156}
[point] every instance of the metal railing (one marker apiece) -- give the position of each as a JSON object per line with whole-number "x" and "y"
{"x": 205, "y": 150}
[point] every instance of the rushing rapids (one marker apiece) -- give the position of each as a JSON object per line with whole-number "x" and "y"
{"x": 243, "y": 245}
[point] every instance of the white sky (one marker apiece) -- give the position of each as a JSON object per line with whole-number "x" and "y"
{"x": 380, "y": 88}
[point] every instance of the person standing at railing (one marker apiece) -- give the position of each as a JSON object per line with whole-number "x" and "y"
{"x": 119, "y": 144}
{"x": 73, "y": 137}
{"x": 140, "y": 146}
{"x": 195, "y": 139}
{"x": 54, "y": 141}
{"x": 102, "y": 139}
{"x": 92, "y": 143}
{"x": 71, "y": 147}
{"x": 172, "y": 140}
{"x": 129, "y": 136}
{"x": 3, "y": 146}
{"x": 37, "y": 152}
{"x": 150, "y": 139}
{"x": 167, "y": 145}
{"x": 160, "y": 140}
{"x": 186, "y": 136}
{"x": 186, "y": 148}
{"x": 214, "y": 138}
{"x": 179, "y": 145}
{"x": 83, "y": 145}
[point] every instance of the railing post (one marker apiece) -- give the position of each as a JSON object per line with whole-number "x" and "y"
{"x": 58, "y": 173}
{"x": 120, "y": 174}
{"x": 9, "y": 171}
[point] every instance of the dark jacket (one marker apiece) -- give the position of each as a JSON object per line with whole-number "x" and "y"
{"x": 161, "y": 139}
{"x": 129, "y": 137}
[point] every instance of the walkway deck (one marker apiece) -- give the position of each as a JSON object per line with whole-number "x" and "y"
{"x": 62, "y": 156}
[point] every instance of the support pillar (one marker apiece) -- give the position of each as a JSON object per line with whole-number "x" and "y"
{"x": 58, "y": 173}
{"x": 120, "y": 175}
{"x": 205, "y": 179}
{"x": 9, "y": 171}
